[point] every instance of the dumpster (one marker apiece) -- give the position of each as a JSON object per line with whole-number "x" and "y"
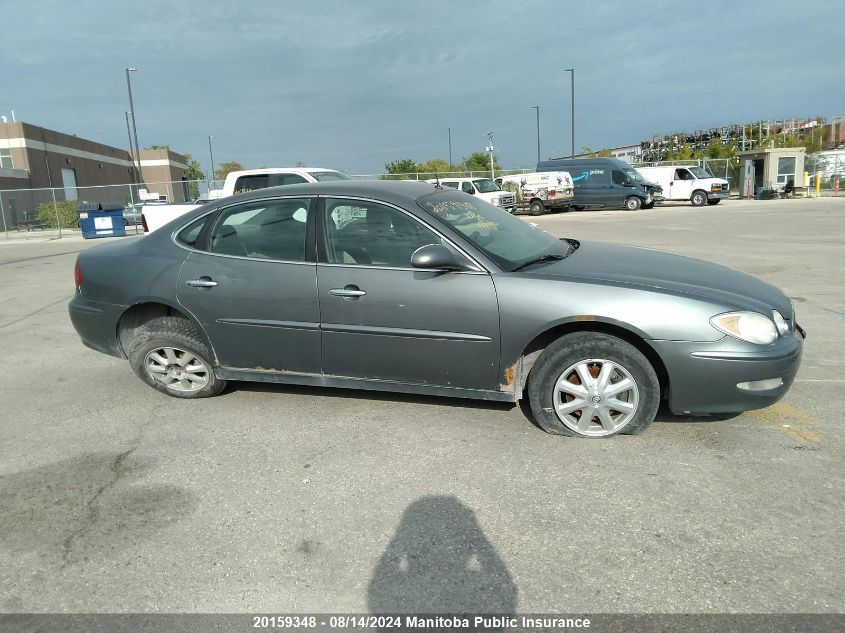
{"x": 101, "y": 219}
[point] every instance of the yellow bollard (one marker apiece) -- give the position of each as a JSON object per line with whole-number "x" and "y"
{"x": 818, "y": 182}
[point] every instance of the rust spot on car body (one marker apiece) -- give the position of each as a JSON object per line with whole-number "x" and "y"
{"x": 510, "y": 377}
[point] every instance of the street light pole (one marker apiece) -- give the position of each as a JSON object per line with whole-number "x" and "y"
{"x": 572, "y": 71}
{"x": 538, "y": 131}
{"x": 450, "y": 146}
{"x": 131, "y": 147}
{"x": 132, "y": 69}
{"x": 211, "y": 153}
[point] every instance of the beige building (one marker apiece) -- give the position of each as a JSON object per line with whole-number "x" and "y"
{"x": 34, "y": 159}
{"x": 770, "y": 168}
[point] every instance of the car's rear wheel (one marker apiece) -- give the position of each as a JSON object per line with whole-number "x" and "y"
{"x": 698, "y": 198}
{"x": 169, "y": 355}
{"x": 536, "y": 208}
{"x": 633, "y": 203}
{"x": 712, "y": 202}
{"x": 593, "y": 385}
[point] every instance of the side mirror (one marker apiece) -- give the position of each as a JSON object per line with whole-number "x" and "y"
{"x": 435, "y": 256}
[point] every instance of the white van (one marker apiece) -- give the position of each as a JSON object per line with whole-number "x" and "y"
{"x": 695, "y": 184}
{"x": 543, "y": 190}
{"x": 483, "y": 188}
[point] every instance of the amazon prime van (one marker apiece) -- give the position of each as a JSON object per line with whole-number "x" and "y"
{"x": 606, "y": 182}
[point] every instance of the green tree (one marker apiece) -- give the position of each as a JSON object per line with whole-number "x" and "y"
{"x": 398, "y": 167}
{"x": 193, "y": 173}
{"x": 68, "y": 217}
{"x": 226, "y": 169}
{"x": 480, "y": 162}
{"x": 438, "y": 166}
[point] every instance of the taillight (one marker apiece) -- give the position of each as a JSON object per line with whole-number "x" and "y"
{"x": 77, "y": 275}
{"x": 144, "y": 223}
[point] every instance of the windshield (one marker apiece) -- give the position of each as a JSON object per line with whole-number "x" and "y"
{"x": 700, "y": 172}
{"x": 634, "y": 176}
{"x": 485, "y": 185}
{"x": 325, "y": 176}
{"x": 505, "y": 239}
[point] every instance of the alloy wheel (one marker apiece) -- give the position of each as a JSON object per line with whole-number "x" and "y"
{"x": 596, "y": 397}
{"x": 176, "y": 369}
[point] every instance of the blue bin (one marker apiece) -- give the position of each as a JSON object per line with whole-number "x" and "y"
{"x": 101, "y": 219}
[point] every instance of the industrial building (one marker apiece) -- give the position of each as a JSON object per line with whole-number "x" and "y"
{"x": 34, "y": 159}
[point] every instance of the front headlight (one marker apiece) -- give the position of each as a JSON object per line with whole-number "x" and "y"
{"x": 496, "y": 202}
{"x": 751, "y": 327}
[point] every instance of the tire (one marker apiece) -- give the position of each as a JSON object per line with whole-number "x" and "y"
{"x": 186, "y": 370}
{"x": 650, "y": 205}
{"x": 633, "y": 203}
{"x": 590, "y": 351}
{"x": 698, "y": 198}
{"x": 713, "y": 202}
{"x": 577, "y": 207}
{"x": 536, "y": 208}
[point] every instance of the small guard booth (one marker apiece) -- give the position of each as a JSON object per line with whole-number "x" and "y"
{"x": 101, "y": 219}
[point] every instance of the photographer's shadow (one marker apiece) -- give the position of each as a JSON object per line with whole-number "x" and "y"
{"x": 439, "y": 562}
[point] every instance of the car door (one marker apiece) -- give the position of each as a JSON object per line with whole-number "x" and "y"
{"x": 252, "y": 283}
{"x": 682, "y": 183}
{"x": 382, "y": 319}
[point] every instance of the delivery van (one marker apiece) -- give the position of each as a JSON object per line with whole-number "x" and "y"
{"x": 605, "y": 182}
{"x": 695, "y": 184}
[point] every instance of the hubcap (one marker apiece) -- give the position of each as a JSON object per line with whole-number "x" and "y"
{"x": 596, "y": 397}
{"x": 177, "y": 369}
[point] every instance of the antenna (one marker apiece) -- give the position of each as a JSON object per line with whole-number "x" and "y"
{"x": 437, "y": 185}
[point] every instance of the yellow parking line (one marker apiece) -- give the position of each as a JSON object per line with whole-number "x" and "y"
{"x": 788, "y": 420}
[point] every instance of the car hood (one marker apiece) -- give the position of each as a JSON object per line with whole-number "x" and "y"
{"x": 661, "y": 271}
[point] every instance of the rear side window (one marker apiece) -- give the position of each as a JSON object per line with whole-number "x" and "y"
{"x": 262, "y": 181}
{"x": 272, "y": 229}
{"x": 190, "y": 234}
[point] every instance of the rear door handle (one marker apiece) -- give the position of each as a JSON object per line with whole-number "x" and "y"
{"x": 202, "y": 282}
{"x": 349, "y": 292}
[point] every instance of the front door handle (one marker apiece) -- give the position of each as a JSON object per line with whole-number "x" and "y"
{"x": 348, "y": 292}
{"x": 202, "y": 282}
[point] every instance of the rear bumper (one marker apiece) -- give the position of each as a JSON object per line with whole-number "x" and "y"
{"x": 96, "y": 324}
{"x": 729, "y": 375}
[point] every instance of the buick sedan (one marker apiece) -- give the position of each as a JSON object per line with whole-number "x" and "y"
{"x": 409, "y": 287}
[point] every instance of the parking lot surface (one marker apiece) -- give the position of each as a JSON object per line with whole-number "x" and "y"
{"x": 114, "y": 497}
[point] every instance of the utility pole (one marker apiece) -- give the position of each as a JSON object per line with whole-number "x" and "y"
{"x": 211, "y": 154}
{"x": 131, "y": 149}
{"x": 450, "y": 146}
{"x": 132, "y": 69}
{"x": 572, "y": 72}
{"x": 490, "y": 150}
{"x": 537, "y": 108}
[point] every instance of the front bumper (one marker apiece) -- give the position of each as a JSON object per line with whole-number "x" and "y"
{"x": 718, "y": 195}
{"x": 714, "y": 377}
{"x": 96, "y": 324}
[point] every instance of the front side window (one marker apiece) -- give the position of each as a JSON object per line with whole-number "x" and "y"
{"x": 618, "y": 177}
{"x": 272, "y": 229}
{"x": 467, "y": 187}
{"x": 371, "y": 234}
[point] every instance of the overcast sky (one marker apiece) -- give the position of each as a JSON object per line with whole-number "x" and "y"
{"x": 352, "y": 85}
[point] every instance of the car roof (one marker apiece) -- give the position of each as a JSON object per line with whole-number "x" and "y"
{"x": 389, "y": 190}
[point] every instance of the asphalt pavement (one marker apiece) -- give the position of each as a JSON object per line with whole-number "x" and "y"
{"x": 114, "y": 497}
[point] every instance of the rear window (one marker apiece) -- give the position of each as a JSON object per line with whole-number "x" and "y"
{"x": 262, "y": 181}
{"x": 190, "y": 234}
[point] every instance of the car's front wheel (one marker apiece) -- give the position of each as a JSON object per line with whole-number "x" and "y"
{"x": 698, "y": 198}
{"x": 633, "y": 203}
{"x": 536, "y": 208}
{"x": 169, "y": 355}
{"x": 587, "y": 384}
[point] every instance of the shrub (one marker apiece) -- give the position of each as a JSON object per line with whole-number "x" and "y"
{"x": 69, "y": 218}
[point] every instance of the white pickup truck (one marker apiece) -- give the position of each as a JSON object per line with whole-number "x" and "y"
{"x": 154, "y": 216}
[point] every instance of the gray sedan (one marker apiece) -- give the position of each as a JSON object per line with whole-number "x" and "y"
{"x": 402, "y": 286}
